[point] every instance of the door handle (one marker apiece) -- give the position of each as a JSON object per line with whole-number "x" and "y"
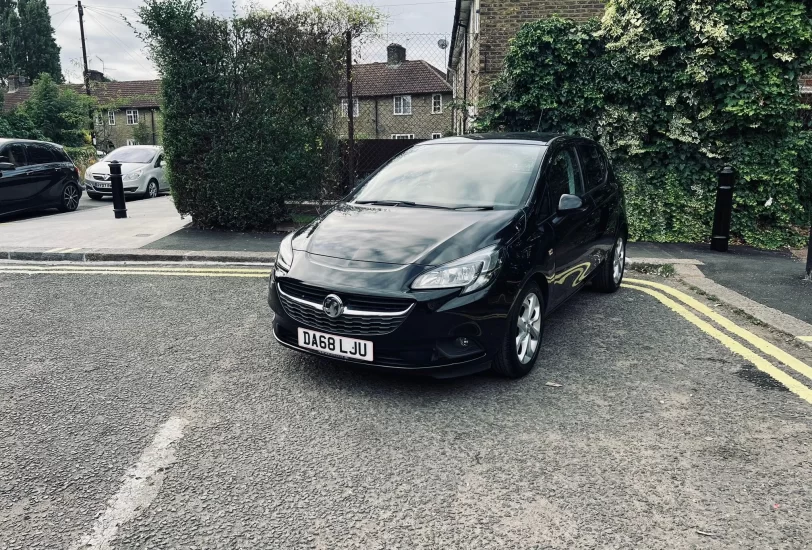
{"x": 29, "y": 173}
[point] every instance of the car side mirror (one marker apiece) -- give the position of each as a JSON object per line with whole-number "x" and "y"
{"x": 6, "y": 166}
{"x": 568, "y": 203}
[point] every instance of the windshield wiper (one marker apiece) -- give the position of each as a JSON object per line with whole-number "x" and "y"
{"x": 474, "y": 208}
{"x": 408, "y": 204}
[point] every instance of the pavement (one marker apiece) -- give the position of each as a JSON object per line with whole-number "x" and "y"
{"x": 772, "y": 278}
{"x": 96, "y": 227}
{"x": 151, "y": 408}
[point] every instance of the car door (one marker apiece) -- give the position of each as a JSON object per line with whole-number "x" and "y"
{"x": 571, "y": 228}
{"x": 44, "y": 169}
{"x": 600, "y": 195}
{"x": 159, "y": 171}
{"x": 15, "y": 183}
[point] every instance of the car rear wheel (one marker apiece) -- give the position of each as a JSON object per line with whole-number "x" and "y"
{"x": 522, "y": 343}
{"x": 611, "y": 271}
{"x": 70, "y": 198}
{"x": 152, "y": 189}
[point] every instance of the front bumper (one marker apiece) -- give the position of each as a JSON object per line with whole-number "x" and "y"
{"x": 424, "y": 342}
{"x": 134, "y": 187}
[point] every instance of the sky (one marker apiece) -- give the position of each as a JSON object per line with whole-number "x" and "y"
{"x": 113, "y": 48}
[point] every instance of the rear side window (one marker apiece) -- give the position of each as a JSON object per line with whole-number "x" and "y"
{"x": 61, "y": 155}
{"x": 39, "y": 154}
{"x": 594, "y": 164}
{"x": 15, "y": 153}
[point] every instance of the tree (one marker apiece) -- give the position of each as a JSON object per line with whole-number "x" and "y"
{"x": 59, "y": 114}
{"x": 40, "y": 53}
{"x": 12, "y": 51}
{"x": 142, "y": 133}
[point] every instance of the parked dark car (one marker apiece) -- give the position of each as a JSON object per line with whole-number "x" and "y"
{"x": 447, "y": 260}
{"x": 36, "y": 175}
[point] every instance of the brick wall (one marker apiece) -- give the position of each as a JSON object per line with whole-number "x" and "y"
{"x": 421, "y": 123}
{"x": 500, "y": 20}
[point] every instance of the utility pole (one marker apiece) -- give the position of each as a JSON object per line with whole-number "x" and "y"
{"x": 350, "y": 117}
{"x": 85, "y": 74}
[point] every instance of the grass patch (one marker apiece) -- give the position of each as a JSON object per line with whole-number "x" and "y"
{"x": 660, "y": 270}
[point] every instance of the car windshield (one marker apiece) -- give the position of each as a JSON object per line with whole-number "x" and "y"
{"x": 454, "y": 175}
{"x": 131, "y": 154}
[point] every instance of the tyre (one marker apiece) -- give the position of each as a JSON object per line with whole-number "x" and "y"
{"x": 70, "y": 198}
{"x": 152, "y": 190}
{"x": 94, "y": 196}
{"x": 610, "y": 272}
{"x": 522, "y": 343}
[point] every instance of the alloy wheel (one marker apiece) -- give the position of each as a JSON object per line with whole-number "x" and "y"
{"x": 528, "y": 336}
{"x": 70, "y": 197}
{"x": 619, "y": 261}
{"x": 152, "y": 190}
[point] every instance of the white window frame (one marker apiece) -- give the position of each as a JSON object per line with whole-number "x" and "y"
{"x": 99, "y": 119}
{"x": 131, "y": 142}
{"x": 436, "y": 135}
{"x": 402, "y": 136}
{"x": 132, "y": 114}
{"x": 111, "y": 117}
{"x": 476, "y": 16}
{"x": 434, "y": 98}
{"x": 403, "y": 111}
{"x": 345, "y": 105}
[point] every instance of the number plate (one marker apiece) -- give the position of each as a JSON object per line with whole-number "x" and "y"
{"x": 335, "y": 345}
{"x": 101, "y": 184}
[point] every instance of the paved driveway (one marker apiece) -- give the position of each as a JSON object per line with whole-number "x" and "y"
{"x": 153, "y": 409}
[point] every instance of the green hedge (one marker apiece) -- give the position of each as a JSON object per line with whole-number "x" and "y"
{"x": 83, "y": 157}
{"x": 675, "y": 91}
{"x": 248, "y": 106}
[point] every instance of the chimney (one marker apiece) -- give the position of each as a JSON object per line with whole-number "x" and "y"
{"x": 395, "y": 55}
{"x": 13, "y": 83}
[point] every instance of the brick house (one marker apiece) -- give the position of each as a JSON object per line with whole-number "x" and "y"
{"x": 133, "y": 108}
{"x": 479, "y": 39}
{"x": 398, "y": 99}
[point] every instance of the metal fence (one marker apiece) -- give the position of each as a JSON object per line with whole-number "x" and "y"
{"x": 396, "y": 93}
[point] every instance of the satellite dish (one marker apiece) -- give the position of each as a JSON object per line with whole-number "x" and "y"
{"x": 442, "y": 43}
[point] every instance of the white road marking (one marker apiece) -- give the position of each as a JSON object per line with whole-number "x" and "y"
{"x": 141, "y": 485}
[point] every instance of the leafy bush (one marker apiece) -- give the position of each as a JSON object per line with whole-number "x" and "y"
{"x": 674, "y": 91}
{"x": 58, "y": 114}
{"x": 248, "y": 105}
{"x": 82, "y": 157}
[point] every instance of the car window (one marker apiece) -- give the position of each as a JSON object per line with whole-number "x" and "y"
{"x": 159, "y": 161}
{"x": 455, "y": 175}
{"x": 39, "y": 154}
{"x": 137, "y": 155}
{"x": 15, "y": 153}
{"x": 595, "y": 169}
{"x": 61, "y": 155}
{"x": 564, "y": 176}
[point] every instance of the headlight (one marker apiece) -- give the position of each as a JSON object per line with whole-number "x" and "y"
{"x": 284, "y": 258}
{"x": 133, "y": 175}
{"x": 471, "y": 272}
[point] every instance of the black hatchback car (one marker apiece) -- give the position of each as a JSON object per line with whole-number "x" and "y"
{"x": 36, "y": 175}
{"x": 449, "y": 257}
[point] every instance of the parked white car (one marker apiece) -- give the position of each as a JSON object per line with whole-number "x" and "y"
{"x": 141, "y": 169}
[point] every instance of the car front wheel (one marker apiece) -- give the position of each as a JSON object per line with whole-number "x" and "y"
{"x": 152, "y": 189}
{"x": 70, "y": 198}
{"x": 522, "y": 342}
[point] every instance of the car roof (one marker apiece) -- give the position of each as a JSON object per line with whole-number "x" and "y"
{"x": 527, "y": 138}
{"x": 3, "y": 141}
{"x": 153, "y": 147}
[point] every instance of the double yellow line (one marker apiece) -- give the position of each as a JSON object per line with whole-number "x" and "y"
{"x": 659, "y": 292}
{"x": 162, "y": 270}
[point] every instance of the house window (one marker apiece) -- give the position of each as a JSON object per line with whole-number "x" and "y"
{"x": 402, "y": 136}
{"x": 131, "y": 142}
{"x": 111, "y": 118}
{"x": 99, "y": 119}
{"x": 476, "y": 16}
{"x": 132, "y": 116}
{"x": 436, "y": 135}
{"x": 345, "y": 103}
{"x": 403, "y": 104}
{"x": 437, "y": 104}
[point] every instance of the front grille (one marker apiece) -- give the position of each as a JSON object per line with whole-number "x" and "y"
{"x": 354, "y": 301}
{"x": 347, "y": 325}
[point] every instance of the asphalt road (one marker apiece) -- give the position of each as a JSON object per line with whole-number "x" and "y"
{"x": 159, "y": 411}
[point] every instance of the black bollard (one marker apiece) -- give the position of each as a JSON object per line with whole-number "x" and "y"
{"x": 809, "y": 257}
{"x": 724, "y": 209}
{"x": 117, "y": 186}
